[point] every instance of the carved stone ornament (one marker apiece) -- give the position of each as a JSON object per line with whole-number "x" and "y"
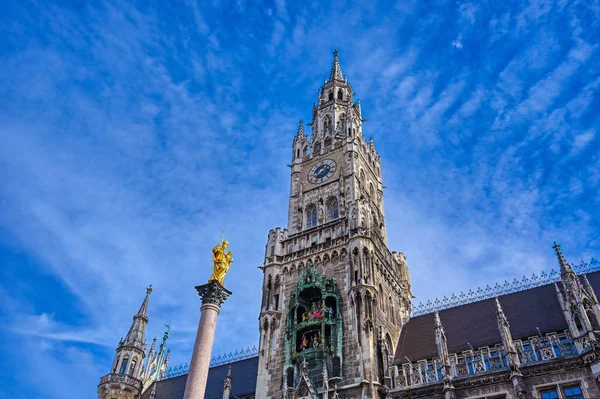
{"x": 213, "y": 293}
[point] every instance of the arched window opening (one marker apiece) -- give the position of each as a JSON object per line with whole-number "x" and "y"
{"x": 363, "y": 179}
{"x": 269, "y": 290}
{"x": 349, "y": 132}
{"x": 577, "y": 321}
{"x": 381, "y": 297}
{"x": 298, "y": 153}
{"x": 328, "y": 142}
{"x": 332, "y": 209}
{"x": 276, "y": 293}
{"x": 290, "y": 377}
{"x": 318, "y": 148}
{"x": 132, "y": 366}
{"x": 311, "y": 216}
{"x": 306, "y": 150}
{"x": 593, "y": 320}
{"x": 336, "y": 369}
{"x": 330, "y": 95}
{"x": 358, "y": 319}
{"x": 340, "y": 94}
{"x": 123, "y": 369}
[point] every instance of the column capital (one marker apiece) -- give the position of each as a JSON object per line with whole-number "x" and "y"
{"x": 213, "y": 293}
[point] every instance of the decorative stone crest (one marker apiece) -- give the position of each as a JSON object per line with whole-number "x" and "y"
{"x": 213, "y": 293}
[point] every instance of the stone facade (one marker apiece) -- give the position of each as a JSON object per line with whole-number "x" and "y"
{"x": 336, "y": 232}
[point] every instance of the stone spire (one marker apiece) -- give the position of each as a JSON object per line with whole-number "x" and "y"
{"x": 565, "y": 268}
{"x": 136, "y": 336}
{"x": 507, "y": 341}
{"x": 300, "y": 132}
{"x": 336, "y": 69}
{"x": 442, "y": 347}
{"x": 227, "y": 383}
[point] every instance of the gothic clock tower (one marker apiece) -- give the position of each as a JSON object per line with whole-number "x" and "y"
{"x": 334, "y": 295}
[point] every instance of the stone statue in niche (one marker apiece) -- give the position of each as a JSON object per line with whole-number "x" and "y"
{"x": 353, "y": 216}
{"x": 363, "y": 218}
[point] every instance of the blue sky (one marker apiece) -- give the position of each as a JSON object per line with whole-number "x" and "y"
{"x": 132, "y": 134}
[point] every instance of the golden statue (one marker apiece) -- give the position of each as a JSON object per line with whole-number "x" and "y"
{"x": 221, "y": 260}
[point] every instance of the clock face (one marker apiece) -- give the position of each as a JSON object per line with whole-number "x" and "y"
{"x": 321, "y": 171}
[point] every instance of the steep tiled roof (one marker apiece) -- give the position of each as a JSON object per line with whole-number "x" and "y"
{"x": 243, "y": 383}
{"x": 475, "y": 323}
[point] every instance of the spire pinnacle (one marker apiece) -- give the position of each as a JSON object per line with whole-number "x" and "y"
{"x": 564, "y": 265}
{"x": 136, "y": 335}
{"x": 336, "y": 69}
{"x": 438, "y": 322}
{"x": 300, "y": 132}
{"x": 499, "y": 310}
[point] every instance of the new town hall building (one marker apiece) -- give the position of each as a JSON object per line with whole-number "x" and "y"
{"x": 337, "y": 319}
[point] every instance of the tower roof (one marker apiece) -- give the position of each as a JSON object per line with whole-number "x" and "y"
{"x": 336, "y": 69}
{"x": 136, "y": 335}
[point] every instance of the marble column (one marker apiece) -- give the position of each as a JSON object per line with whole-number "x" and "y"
{"x": 213, "y": 295}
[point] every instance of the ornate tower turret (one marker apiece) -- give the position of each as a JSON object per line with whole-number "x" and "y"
{"x": 578, "y": 302}
{"x": 334, "y": 295}
{"x": 157, "y": 363}
{"x": 125, "y": 379}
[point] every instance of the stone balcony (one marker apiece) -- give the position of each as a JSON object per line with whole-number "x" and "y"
{"x": 125, "y": 379}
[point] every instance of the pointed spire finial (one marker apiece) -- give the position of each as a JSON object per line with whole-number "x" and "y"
{"x": 499, "y": 310}
{"x": 149, "y": 290}
{"x": 564, "y": 265}
{"x": 336, "y": 69}
{"x": 300, "y": 128}
{"x": 438, "y": 322}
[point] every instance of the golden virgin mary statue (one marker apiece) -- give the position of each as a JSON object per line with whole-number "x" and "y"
{"x": 221, "y": 260}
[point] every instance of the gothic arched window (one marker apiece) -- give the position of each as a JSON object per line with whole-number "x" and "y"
{"x": 328, "y": 142}
{"x": 330, "y": 95}
{"x": 340, "y": 94}
{"x": 332, "y": 209}
{"x": 311, "y": 216}
{"x": 124, "y": 366}
{"x": 132, "y": 366}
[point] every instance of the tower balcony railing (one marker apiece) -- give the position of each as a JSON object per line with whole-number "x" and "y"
{"x": 122, "y": 379}
{"x": 470, "y": 363}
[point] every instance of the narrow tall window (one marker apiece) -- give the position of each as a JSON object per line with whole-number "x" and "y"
{"x": 332, "y": 209}
{"x": 132, "y": 367}
{"x": 340, "y": 95}
{"x": 311, "y": 216}
{"x": 124, "y": 366}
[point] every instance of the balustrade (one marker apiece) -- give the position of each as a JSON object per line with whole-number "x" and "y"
{"x": 486, "y": 359}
